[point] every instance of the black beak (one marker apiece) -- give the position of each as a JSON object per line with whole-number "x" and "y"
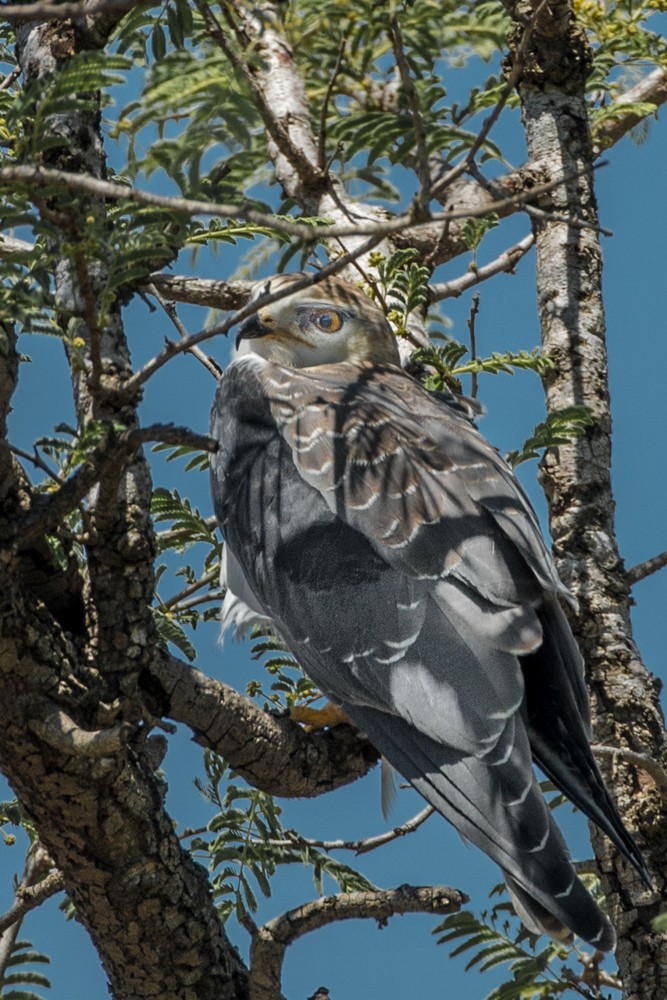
{"x": 251, "y": 329}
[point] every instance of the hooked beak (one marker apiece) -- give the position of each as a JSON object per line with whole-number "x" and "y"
{"x": 252, "y": 328}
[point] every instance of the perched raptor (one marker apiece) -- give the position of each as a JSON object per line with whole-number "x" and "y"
{"x": 394, "y": 551}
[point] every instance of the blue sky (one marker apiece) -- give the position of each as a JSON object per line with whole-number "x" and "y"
{"x": 356, "y": 960}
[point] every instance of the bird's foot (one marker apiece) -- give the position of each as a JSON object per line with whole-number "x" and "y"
{"x": 319, "y": 718}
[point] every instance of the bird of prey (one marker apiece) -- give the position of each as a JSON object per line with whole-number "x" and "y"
{"x": 395, "y": 552}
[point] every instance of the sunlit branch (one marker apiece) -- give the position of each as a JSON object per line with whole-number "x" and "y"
{"x": 309, "y": 232}
{"x": 651, "y": 90}
{"x": 211, "y": 292}
{"x": 271, "y": 752}
{"x": 270, "y": 942}
{"x": 646, "y": 568}
{"x": 191, "y": 589}
{"x": 506, "y": 261}
{"x": 368, "y": 843}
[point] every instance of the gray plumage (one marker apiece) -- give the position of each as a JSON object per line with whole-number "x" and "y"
{"x": 397, "y": 555}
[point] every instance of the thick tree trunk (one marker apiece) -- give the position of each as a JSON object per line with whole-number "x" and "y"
{"x": 554, "y": 62}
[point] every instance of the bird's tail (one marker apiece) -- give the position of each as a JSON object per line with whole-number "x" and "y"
{"x": 518, "y": 832}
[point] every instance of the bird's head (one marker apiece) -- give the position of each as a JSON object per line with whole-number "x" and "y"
{"x": 323, "y": 324}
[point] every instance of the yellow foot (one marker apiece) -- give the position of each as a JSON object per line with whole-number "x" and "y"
{"x": 319, "y": 718}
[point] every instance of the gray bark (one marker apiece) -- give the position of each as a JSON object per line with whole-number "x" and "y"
{"x": 577, "y": 480}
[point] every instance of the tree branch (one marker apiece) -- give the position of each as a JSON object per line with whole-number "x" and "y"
{"x": 506, "y": 261}
{"x": 28, "y": 897}
{"x": 642, "y": 760}
{"x": 107, "y": 459}
{"x": 209, "y": 292}
{"x": 44, "y": 10}
{"x": 209, "y": 364}
{"x": 646, "y": 568}
{"x": 272, "y": 753}
{"x": 651, "y": 90}
{"x": 368, "y": 843}
{"x": 270, "y": 942}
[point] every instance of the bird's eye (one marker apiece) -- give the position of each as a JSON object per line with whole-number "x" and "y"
{"x": 329, "y": 321}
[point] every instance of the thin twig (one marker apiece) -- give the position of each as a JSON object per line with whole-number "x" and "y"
{"x": 191, "y": 589}
{"x": 170, "y": 309}
{"x": 423, "y": 169}
{"x": 32, "y": 890}
{"x": 361, "y": 846}
{"x": 646, "y": 568}
{"x": 506, "y": 261}
{"x": 513, "y": 78}
{"x": 640, "y": 760}
{"x": 36, "y": 459}
{"x": 474, "y": 309}
{"x": 9, "y": 79}
{"x": 569, "y": 220}
{"x": 324, "y": 111}
{"x": 309, "y": 232}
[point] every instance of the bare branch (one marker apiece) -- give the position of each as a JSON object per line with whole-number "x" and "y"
{"x": 10, "y": 246}
{"x": 646, "y": 568}
{"x": 272, "y": 753}
{"x": 37, "y": 864}
{"x": 201, "y": 291}
{"x": 62, "y": 733}
{"x": 28, "y": 897}
{"x": 209, "y": 364}
{"x": 270, "y": 942}
{"x": 641, "y": 760}
{"x": 423, "y": 170}
{"x": 191, "y": 589}
{"x": 506, "y": 261}
{"x": 367, "y": 844}
{"x": 309, "y": 232}
{"x": 651, "y": 90}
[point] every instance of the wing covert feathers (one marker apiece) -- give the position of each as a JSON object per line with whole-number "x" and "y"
{"x": 403, "y": 565}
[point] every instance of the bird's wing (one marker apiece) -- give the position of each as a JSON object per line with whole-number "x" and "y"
{"x": 435, "y": 500}
{"x": 403, "y": 566}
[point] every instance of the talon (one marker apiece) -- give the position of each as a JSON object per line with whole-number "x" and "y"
{"x": 313, "y": 719}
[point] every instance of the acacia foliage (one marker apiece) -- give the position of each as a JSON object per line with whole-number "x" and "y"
{"x": 183, "y": 112}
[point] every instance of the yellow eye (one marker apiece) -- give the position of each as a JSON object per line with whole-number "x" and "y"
{"x": 330, "y": 322}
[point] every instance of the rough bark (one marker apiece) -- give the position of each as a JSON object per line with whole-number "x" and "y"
{"x": 76, "y": 648}
{"x": 577, "y": 481}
